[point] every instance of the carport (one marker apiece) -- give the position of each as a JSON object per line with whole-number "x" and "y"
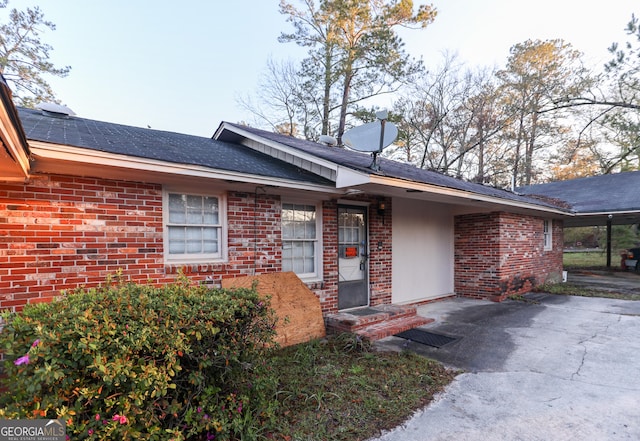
{"x": 604, "y": 200}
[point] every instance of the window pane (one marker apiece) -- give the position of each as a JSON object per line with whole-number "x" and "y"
{"x": 211, "y": 212}
{"x": 298, "y": 233}
{"x": 309, "y": 264}
{"x": 298, "y": 267}
{"x": 287, "y": 229}
{"x": 177, "y": 208}
{"x": 210, "y": 240}
{"x": 194, "y": 240}
{"x": 194, "y": 209}
{"x": 287, "y": 250}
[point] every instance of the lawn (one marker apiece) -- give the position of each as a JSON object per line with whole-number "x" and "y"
{"x": 588, "y": 259}
{"x": 341, "y": 389}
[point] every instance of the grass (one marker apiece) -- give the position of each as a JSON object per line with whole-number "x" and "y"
{"x": 341, "y": 389}
{"x": 569, "y": 289}
{"x": 587, "y": 259}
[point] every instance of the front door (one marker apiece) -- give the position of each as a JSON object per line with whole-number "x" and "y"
{"x": 353, "y": 275}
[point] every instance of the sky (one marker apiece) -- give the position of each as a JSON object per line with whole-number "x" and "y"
{"x": 181, "y": 66}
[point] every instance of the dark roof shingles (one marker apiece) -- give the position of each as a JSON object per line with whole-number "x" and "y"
{"x": 158, "y": 145}
{"x": 394, "y": 169}
{"x": 595, "y": 194}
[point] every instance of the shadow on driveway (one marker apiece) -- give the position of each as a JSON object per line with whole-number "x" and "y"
{"x": 548, "y": 368}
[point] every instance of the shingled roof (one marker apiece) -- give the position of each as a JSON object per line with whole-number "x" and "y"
{"x": 388, "y": 168}
{"x": 158, "y": 145}
{"x": 616, "y": 194}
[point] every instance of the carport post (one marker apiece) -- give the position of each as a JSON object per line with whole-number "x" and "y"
{"x": 609, "y": 240}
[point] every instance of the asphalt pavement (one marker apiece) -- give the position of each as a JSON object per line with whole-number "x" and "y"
{"x": 547, "y": 368}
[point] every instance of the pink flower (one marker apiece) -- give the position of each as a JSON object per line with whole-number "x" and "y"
{"x": 90, "y": 431}
{"x": 120, "y": 418}
{"x": 35, "y": 343}
{"x": 22, "y": 360}
{"x": 97, "y": 417}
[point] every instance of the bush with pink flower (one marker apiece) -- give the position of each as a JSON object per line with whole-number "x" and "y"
{"x": 139, "y": 362}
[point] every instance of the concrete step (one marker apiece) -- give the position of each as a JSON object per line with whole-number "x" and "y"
{"x": 375, "y": 322}
{"x": 382, "y": 330}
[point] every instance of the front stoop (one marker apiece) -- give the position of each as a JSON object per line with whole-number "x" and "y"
{"x": 383, "y": 321}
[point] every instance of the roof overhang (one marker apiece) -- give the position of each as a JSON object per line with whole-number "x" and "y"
{"x": 465, "y": 202}
{"x": 351, "y": 181}
{"x": 62, "y": 159}
{"x": 592, "y": 219}
{"x": 14, "y": 151}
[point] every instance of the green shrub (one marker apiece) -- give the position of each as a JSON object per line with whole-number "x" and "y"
{"x": 127, "y": 361}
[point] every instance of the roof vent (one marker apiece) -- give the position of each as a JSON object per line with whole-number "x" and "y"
{"x": 55, "y": 110}
{"x": 328, "y": 140}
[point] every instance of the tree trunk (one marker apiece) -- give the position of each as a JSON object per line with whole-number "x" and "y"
{"x": 326, "y": 99}
{"x": 348, "y": 76}
{"x": 516, "y": 159}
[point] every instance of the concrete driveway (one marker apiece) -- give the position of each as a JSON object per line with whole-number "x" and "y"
{"x": 551, "y": 368}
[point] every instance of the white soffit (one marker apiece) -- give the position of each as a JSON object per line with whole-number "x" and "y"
{"x": 321, "y": 167}
{"x": 49, "y": 154}
{"x": 461, "y": 195}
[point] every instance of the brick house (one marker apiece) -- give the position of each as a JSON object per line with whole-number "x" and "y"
{"x": 80, "y": 199}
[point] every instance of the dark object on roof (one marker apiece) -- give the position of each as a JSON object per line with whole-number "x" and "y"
{"x": 596, "y": 194}
{"x": 158, "y": 145}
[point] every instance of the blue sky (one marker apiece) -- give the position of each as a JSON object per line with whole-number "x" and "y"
{"x": 180, "y": 66}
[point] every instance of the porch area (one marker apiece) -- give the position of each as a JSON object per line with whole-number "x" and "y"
{"x": 375, "y": 322}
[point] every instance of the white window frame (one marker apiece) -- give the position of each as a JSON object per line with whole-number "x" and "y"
{"x": 547, "y": 234}
{"x": 221, "y": 255}
{"x": 316, "y": 275}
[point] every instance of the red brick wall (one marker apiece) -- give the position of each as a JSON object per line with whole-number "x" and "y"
{"x": 380, "y": 270}
{"x": 502, "y": 254}
{"x": 327, "y": 291}
{"x": 58, "y": 233}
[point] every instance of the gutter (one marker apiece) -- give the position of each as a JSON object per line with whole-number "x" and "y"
{"x": 75, "y": 155}
{"x": 465, "y": 195}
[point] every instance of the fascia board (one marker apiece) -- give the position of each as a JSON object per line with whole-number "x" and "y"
{"x": 347, "y": 177}
{"x": 135, "y": 164}
{"x": 277, "y": 146}
{"x": 605, "y": 213}
{"x": 15, "y": 149}
{"x": 466, "y": 195}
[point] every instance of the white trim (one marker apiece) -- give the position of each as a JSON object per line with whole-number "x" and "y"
{"x": 222, "y": 213}
{"x": 342, "y": 176}
{"x": 462, "y": 194}
{"x": 134, "y": 164}
{"x": 547, "y": 234}
{"x": 276, "y": 146}
{"x": 318, "y": 255}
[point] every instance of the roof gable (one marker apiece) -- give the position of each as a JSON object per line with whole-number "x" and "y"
{"x": 361, "y": 163}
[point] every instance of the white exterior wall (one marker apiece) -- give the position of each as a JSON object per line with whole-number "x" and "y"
{"x": 423, "y": 258}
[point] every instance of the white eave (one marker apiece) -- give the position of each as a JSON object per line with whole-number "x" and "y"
{"x": 349, "y": 179}
{"x": 452, "y": 194}
{"x": 14, "y": 157}
{"x": 56, "y": 158}
{"x": 343, "y": 176}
